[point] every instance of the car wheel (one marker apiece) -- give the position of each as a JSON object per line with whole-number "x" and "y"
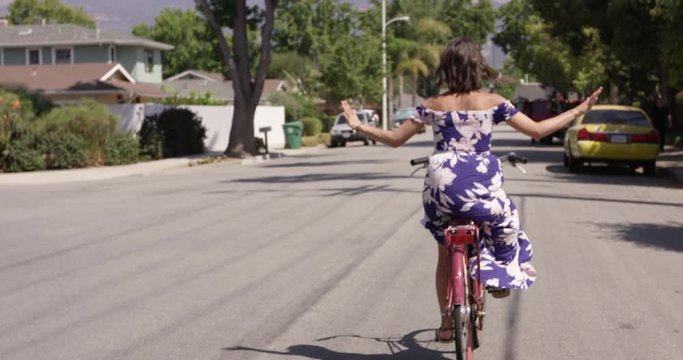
{"x": 566, "y": 160}
{"x": 574, "y": 164}
{"x": 374, "y": 142}
{"x": 649, "y": 168}
{"x": 342, "y": 144}
{"x": 333, "y": 144}
{"x": 366, "y": 142}
{"x": 548, "y": 140}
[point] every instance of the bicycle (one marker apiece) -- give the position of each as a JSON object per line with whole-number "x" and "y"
{"x": 465, "y": 295}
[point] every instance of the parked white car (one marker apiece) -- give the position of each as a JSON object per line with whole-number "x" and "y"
{"x": 341, "y": 132}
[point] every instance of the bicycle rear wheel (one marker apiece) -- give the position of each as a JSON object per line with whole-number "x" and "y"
{"x": 462, "y": 318}
{"x": 461, "y": 323}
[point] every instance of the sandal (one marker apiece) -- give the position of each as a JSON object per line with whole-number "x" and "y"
{"x": 437, "y": 335}
{"x": 498, "y": 293}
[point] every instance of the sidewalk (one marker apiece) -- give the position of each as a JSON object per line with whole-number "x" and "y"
{"x": 143, "y": 168}
{"x": 670, "y": 162}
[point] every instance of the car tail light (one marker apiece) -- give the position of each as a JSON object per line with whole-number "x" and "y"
{"x": 587, "y": 135}
{"x": 651, "y": 137}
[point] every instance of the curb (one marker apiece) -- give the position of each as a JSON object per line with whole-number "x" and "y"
{"x": 143, "y": 169}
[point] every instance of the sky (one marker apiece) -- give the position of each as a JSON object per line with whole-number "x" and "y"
{"x": 123, "y": 15}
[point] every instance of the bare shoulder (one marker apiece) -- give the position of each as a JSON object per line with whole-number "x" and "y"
{"x": 494, "y": 99}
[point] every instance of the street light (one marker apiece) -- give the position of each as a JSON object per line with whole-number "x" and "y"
{"x": 385, "y": 23}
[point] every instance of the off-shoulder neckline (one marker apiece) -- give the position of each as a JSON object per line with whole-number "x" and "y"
{"x": 463, "y": 111}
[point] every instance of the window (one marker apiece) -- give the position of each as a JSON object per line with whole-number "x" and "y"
{"x": 63, "y": 56}
{"x": 33, "y": 57}
{"x": 2, "y": 56}
{"x": 149, "y": 60}
{"x": 112, "y": 54}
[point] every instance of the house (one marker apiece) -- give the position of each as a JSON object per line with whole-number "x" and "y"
{"x": 62, "y": 44}
{"x": 69, "y": 83}
{"x": 198, "y": 83}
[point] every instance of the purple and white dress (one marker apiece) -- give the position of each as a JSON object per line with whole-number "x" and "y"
{"x": 464, "y": 180}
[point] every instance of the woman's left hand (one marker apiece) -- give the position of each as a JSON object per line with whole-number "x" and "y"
{"x": 350, "y": 115}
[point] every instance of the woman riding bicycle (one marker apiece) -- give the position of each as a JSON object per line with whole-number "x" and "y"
{"x": 464, "y": 180}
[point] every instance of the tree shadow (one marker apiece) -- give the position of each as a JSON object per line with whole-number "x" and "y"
{"x": 407, "y": 347}
{"x": 318, "y": 177}
{"x": 326, "y": 192}
{"x": 324, "y": 163}
{"x": 658, "y": 236}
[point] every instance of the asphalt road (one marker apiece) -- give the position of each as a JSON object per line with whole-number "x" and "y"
{"x": 321, "y": 256}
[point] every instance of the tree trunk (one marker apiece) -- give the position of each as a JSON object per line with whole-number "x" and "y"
{"x": 613, "y": 92}
{"x": 247, "y": 91}
{"x": 400, "y": 91}
{"x": 390, "y": 102}
{"x": 414, "y": 90}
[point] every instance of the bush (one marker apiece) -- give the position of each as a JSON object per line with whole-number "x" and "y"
{"x": 61, "y": 150}
{"x": 328, "y": 122}
{"x": 297, "y": 106}
{"x": 122, "y": 149}
{"x": 312, "y": 126}
{"x": 22, "y": 155}
{"x": 173, "y": 132}
{"x": 92, "y": 121}
{"x": 13, "y": 114}
{"x": 322, "y": 138}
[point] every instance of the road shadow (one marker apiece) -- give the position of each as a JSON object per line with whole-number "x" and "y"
{"x": 317, "y": 177}
{"x": 324, "y": 163}
{"x": 595, "y": 199}
{"x": 615, "y": 175}
{"x": 658, "y": 236}
{"x": 326, "y": 192}
{"x": 407, "y": 347}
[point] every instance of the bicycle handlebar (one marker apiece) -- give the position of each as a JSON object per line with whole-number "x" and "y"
{"x": 419, "y": 161}
{"x": 512, "y": 158}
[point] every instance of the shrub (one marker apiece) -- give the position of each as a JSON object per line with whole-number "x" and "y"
{"x": 22, "y": 155}
{"x": 297, "y": 106}
{"x": 312, "y": 126}
{"x": 12, "y": 125}
{"x": 322, "y": 138}
{"x": 61, "y": 150}
{"x": 176, "y": 132}
{"x": 122, "y": 148}
{"x": 92, "y": 121}
{"x": 328, "y": 122}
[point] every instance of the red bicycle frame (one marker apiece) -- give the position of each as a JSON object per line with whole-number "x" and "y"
{"x": 464, "y": 295}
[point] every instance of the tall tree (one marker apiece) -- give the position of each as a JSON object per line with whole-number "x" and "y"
{"x": 196, "y": 47}
{"x": 248, "y": 87}
{"x": 27, "y": 12}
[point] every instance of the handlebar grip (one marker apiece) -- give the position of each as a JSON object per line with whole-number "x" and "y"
{"x": 419, "y": 161}
{"x": 514, "y": 158}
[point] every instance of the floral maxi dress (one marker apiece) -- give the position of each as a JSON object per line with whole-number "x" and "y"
{"x": 464, "y": 180}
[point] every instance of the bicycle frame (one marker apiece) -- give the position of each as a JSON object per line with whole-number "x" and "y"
{"x": 464, "y": 295}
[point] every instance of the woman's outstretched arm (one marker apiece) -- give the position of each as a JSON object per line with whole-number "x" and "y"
{"x": 538, "y": 130}
{"x": 394, "y": 138}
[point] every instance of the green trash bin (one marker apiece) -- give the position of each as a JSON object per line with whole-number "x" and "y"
{"x": 293, "y": 131}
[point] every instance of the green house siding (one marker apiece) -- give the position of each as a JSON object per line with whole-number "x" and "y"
{"x": 140, "y": 71}
{"x": 47, "y": 55}
{"x": 15, "y": 56}
{"x": 91, "y": 54}
{"x": 127, "y": 57}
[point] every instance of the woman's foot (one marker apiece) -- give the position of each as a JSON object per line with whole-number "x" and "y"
{"x": 444, "y": 334}
{"x": 498, "y": 293}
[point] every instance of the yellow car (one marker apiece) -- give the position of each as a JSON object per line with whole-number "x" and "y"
{"x": 612, "y": 134}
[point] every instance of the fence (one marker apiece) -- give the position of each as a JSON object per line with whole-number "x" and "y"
{"x": 216, "y": 119}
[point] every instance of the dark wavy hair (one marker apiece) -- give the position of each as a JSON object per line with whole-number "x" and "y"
{"x": 462, "y": 67}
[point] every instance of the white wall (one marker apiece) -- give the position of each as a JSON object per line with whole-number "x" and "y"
{"x": 216, "y": 119}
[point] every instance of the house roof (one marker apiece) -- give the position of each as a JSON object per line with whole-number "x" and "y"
{"x": 532, "y": 91}
{"x": 222, "y": 90}
{"x": 197, "y": 74}
{"x": 69, "y": 35}
{"x": 64, "y": 78}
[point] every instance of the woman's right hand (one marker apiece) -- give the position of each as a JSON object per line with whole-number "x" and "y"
{"x": 587, "y": 104}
